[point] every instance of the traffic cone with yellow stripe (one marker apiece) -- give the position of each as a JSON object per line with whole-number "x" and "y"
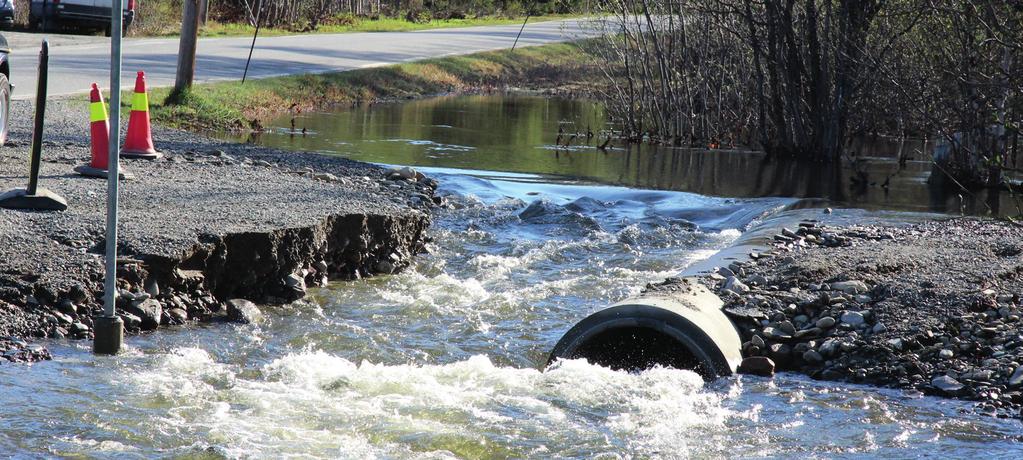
{"x": 100, "y": 132}
{"x": 139, "y": 142}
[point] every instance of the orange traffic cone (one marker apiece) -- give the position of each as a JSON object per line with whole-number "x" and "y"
{"x": 100, "y": 131}
{"x": 139, "y": 142}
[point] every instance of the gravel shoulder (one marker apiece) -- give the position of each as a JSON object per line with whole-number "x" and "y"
{"x": 209, "y": 222}
{"x": 27, "y": 43}
{"x": 932, "y": 307}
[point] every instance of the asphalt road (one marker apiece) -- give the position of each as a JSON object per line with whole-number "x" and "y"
{"x": 75, "y": 63}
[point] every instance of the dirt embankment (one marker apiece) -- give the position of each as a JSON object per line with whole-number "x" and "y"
{"x": 207, "y": 223}
{"x": 933, "y": 307}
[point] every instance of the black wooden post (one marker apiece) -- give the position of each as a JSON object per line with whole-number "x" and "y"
{"x": 34, "y": 197}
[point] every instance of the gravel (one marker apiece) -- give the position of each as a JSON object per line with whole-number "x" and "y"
{"x": 208, "y": 222}
{"x": 931, "y": 306}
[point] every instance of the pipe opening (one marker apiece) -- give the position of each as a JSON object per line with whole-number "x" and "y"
{"x": 635, "y": 349}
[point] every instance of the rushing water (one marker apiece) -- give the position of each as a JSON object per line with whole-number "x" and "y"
{"x": 447, "y": 358}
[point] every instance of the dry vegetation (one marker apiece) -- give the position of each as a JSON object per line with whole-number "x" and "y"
{"x": 803, "y": 77}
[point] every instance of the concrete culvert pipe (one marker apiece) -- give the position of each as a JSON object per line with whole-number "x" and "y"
{"x": 681, "y": 326}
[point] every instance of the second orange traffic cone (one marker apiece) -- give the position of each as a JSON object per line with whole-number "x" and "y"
{"x": 139, "y": 141}
{"x": 99, "y": 130}
{"x": 100, "y": 135}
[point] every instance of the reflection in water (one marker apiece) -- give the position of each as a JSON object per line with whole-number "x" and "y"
{"x": 518, "y": 134}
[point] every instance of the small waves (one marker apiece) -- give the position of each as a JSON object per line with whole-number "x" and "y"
{"x": 550, "y": 200}
{"x": 469, "y": 408}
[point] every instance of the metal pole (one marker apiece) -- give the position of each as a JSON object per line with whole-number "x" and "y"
{"x": 253, "y": 46}
{"x": 520, "y": 32}
{"x": 108, "y": 328}
{"x": 112, "y": 171}
{"x": 37, "y": 129}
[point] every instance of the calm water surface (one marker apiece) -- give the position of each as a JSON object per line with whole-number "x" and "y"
{"x": 519, "y": 133}
{"x": 443, "y": 360}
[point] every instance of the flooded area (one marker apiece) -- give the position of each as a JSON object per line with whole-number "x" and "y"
{"x": 445, "y": 360}
{"x": 520, "y": 134}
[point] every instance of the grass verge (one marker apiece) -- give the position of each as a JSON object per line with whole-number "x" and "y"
{"x": 234, "y": 106}
{"x": 214, "y": 29}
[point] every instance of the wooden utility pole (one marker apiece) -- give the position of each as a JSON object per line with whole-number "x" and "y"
{"x": 187, "y": 46}
{"x": 204, "y": 11}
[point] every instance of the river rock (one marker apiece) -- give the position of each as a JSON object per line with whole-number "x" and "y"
{"x": 826, "y": 322}
{"x": 150, "y": 311}
{"x": 384, "y": 267}
{"x": 68, "y": 307}
{"x": 813, "y": 357}
{"x": 732, "y": 284}
{"x": 405, "y": 172}
{"x": 830, "y": 346}
{"x": 947, "y": 384}
{"x": 79, "y": 329}
{"x": 982, "y": 375}
{"x": 321, "y": 267}
{"x": 1016, "y": 380}
{"x": 811, "y": 332}
{"x": 243, "y": 311}
{"x": 781, "y": 354}
{"x": 757, "y": 365}
{"x": 78, "y": 294}
{"x": 296, "y": 284}
{"x": 326, "y": 177}
{"x": 131, "y": 322}
{"x": 758, "y": 280}
{"x": 178, "y": 315}
{"x": 62, "y": 318}
{"x": 853, "y": 318}
{"x": 152, "y": 288}
{"x": 775, "y": 333}
{"x": 850, "y": 287}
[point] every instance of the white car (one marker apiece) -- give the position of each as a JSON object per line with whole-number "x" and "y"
{"x": 91, "y": 14}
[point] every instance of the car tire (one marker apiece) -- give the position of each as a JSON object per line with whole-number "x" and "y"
{"x": 5, "y": 108}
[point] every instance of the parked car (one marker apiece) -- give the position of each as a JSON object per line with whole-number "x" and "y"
{"x": 5, "y": 88}
{"x": 89, "y": 14}
{"x": 7, "y": 14}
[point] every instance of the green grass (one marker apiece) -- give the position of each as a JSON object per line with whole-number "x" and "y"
{"x": 216, "y": 29}
{"x": 234, "y": 106}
